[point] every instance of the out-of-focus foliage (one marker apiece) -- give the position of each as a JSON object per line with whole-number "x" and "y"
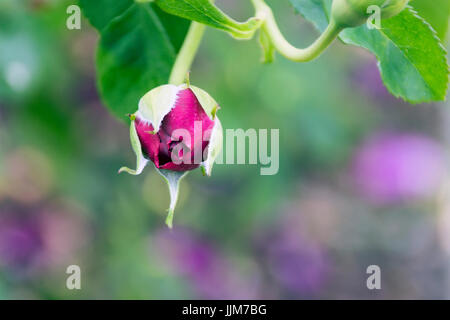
{"x": 308, "y": 232}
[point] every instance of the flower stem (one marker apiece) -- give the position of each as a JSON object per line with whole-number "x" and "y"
{"x": 283, "y": 46}
{"x": 187, "y": 53}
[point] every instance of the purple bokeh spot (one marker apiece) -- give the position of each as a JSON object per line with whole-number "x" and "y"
{"x": 20, "y": 242}
{"x": 397, "y": 167}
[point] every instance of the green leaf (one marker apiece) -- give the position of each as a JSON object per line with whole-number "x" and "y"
{"x": 101, "y": 12}
{"x": 436, "y": 12}
{"x": 412, "y": 61}
{"x": 136, "y": 52}
{"x": 204, "y": 11}
{"x": 175, "y": 27}
{"x": 314, "y": 11}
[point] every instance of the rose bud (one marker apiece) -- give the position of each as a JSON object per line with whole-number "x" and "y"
{"x": 353, "y": 13}
{"x": 176, "y": 128}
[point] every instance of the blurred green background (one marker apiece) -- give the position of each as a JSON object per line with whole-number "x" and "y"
{"x": 363, "y": 176}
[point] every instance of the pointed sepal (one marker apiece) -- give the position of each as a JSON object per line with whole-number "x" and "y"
{"x": 157, "y": 103}
{"x": 206, "y": 101}
{"x": 173, "y": 179}
{"x": 141, "y": 162}
{"x": 215, "y": 146}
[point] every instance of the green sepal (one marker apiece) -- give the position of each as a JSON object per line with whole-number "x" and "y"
{"x": 206, "y": 101}
{"x": 157, "y": 103}
{"x": 216, "y": 140}
{"x": 215, "y": 146}
{"x": 141, "y": 162}
{"x": 173, "y": 179}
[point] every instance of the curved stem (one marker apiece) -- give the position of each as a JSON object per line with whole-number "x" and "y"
{"x": 187, "y": 53}
{"x": 284, "y": 47}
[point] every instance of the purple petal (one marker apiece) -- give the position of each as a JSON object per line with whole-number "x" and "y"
{"x": 149, "y": 142}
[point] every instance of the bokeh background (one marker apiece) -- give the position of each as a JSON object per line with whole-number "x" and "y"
{"x": 364, "y": 177}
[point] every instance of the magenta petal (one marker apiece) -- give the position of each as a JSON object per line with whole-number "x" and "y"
{"x": 186, "y": 112}
{"x": 149, "y": 142}
{"x": 188, "y": 115}
{"x": 164, "y": 155}
{"x": 184, "y": 115}
{"x": 179, "y": 167}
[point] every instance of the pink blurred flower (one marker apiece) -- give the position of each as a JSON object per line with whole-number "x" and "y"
{"x": 367, "y": 77}
{"x": 397, "y": 167}
{"x": 41, "y": 239}
{"x": 297, "y": 264}
{"x": 211, "y": 275}
{"x": 26, "y": 176}
{"x": 21, "y": 243}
